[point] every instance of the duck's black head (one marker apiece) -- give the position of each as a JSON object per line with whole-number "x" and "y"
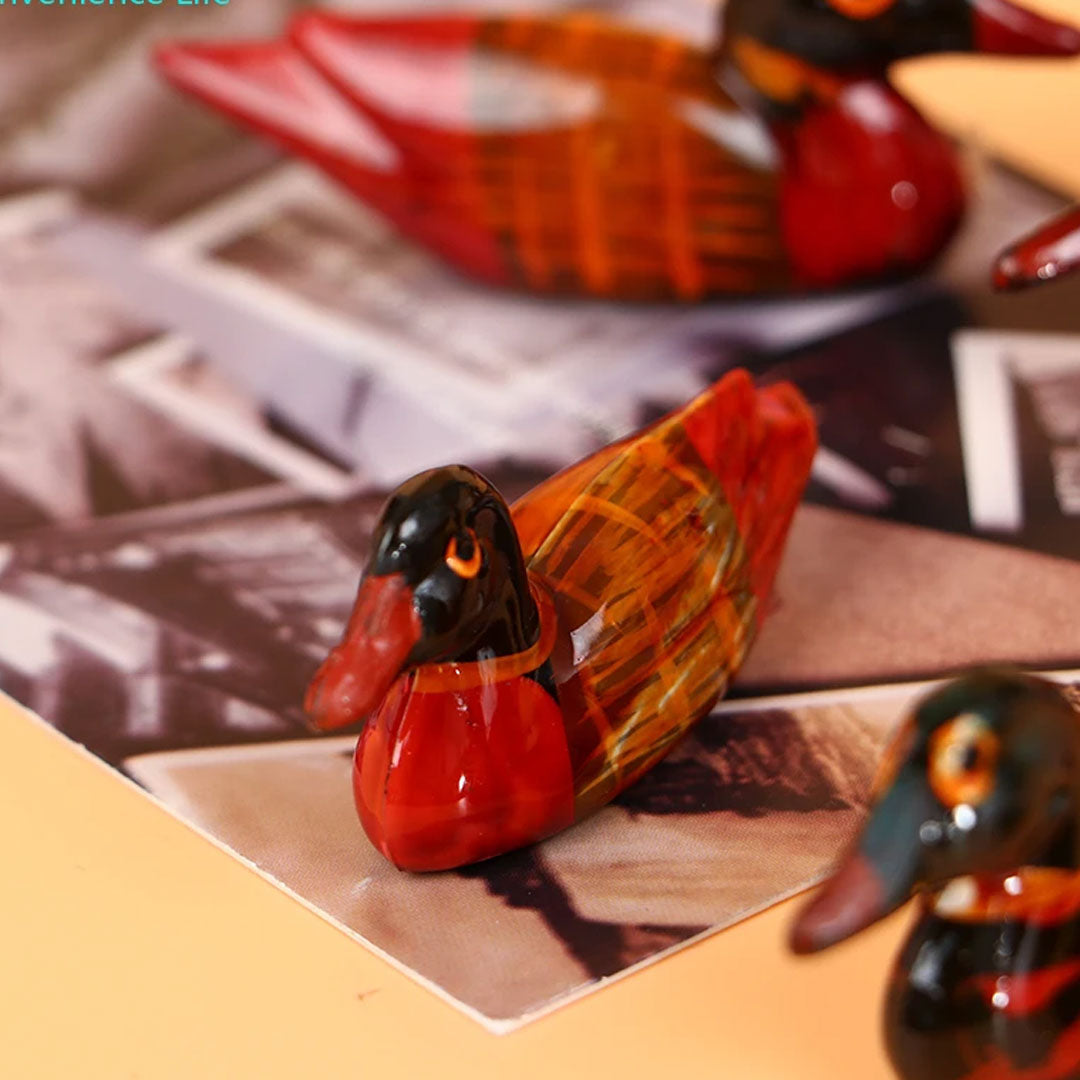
{"x": 446, "y": 581}
{"x": 863, "y": 37}
{"x": 982, "y": 779}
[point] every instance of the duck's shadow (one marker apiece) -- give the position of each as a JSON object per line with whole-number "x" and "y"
{"x": 749, "y": 764}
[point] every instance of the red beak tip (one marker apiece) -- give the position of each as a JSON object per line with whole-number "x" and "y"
{"x": 1006, "y": 28}
{"x": 301, "y": 24}
{"x": 810, "y": 931}
{"x": 323, "y": 708}
{"x": 1069, "y": 40}
{"x": 1007, "y": 275}
{"x": 1063, "y": 40}
{"x": 848, "y": 902}
{"x": 167, "y": 56}
{"x": 802, "y": 942}
{"x": 328, "y": 719}
{"x": 313, "y": 724}
{"x": 329, "y": 709}
{"x": 315, "y": 717}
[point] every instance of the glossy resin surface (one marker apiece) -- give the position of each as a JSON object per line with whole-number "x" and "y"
{"x": 1049, "y": 252}
{"x": 516, "y": 670}
{"x": 574, "y": 155}
{"x": 977, "y": 810}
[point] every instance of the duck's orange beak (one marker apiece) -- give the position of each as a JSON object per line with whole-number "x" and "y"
{"x": 1004, "y": 27}
{"x": 352, "y": 682}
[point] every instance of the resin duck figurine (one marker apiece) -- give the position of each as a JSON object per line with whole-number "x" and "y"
{"x": 569, "y": 154}
{"x": 1050, "y": 252}
{"x": 516, "y": 669}
{"x": 977, "y": 808}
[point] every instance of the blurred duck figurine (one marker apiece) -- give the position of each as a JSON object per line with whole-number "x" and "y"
{"x": 1048, "y": 253}
{"x": 516, "y": 669}
{"x": 571, "y": 155}
{"x": 978, "y": 807}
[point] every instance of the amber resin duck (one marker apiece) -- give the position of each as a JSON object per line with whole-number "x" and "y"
{"x": 977, "y": 809}
{"x": 569, "y": 154}
{"x": 1045, "y": 255}
{"x": 516, "y": 669}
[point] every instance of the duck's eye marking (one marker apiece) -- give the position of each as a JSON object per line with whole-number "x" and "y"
{"x": 895, "y": 755}
{"x": 963, "y": 759}
{"x": 464, "y": 555}
{"x": 861, "y": 9}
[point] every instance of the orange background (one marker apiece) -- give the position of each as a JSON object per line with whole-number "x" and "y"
{"x": 131, "y": 947}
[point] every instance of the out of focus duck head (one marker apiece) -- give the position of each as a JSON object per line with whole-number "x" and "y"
{"x": 982, "y": 779}
{"x": 861, "y": 38}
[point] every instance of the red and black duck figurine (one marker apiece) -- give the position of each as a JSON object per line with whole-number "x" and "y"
{"x": 569, "y": 154}
{"x": 1050, "y": 252}
{"x": 978, "y": 809}
{"x": 515, "y": 669}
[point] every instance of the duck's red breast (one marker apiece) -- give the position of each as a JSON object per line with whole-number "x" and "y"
{"x": 869, "y": 188}
{"x": 465, "y": 761}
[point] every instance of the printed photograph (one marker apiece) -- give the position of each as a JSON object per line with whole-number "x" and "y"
{"x": 967, "y": 431}
{"x": 75, "y": 444}
{"x": 1019, "y": 410}
{"x": 183, "y": 387}
{"x": 751, "y": 808}
{"x": 525, "y": 372}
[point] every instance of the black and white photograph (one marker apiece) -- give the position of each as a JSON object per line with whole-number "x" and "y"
{"x": 1019, "y": 408}
{"x": 169, "y": 376}
{"x": 75, "y": 443}
{"x": 524, "y": 373}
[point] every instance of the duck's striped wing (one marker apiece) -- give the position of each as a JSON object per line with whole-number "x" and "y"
{"x": 537, "y": 513}
{"x": 647, "y": 567}
{"x": 638, "y": 198}
{"x": 653, "y": 577}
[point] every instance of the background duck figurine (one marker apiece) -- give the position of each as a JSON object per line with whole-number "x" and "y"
{"x": 517, "y": 669}
{"x": 1048, "y": 253}
{"x": 569, "y": 154}
{"x": 978, "y": 807}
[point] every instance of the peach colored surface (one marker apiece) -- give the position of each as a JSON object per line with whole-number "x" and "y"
{"x": 134, "y": 948}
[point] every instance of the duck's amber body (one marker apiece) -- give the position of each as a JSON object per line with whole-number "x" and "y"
{"x": 572, "y": 155}
{"x": 560, "y": 155}
{"x": 647, "y": 567}
{"x": 569, "y": 154}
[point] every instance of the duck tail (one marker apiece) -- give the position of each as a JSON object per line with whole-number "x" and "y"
{"x": 314, "y": 95}
{"x": 270, "y": 88}
{"x": 760, "y": 443}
